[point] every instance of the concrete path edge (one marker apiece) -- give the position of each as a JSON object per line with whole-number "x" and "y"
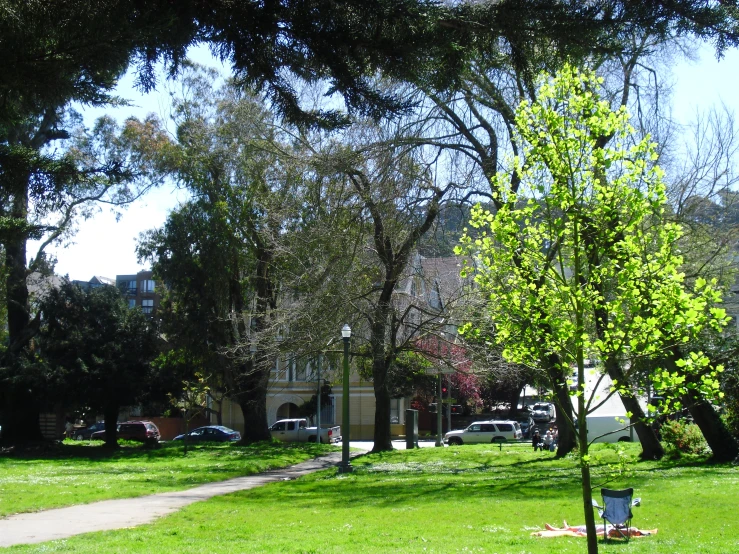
{"x": 61, "y": 523}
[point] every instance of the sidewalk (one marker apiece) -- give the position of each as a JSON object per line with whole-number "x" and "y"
{"x": 62, "y": 523}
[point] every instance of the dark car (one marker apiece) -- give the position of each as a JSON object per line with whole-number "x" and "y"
{"x": 143, "y": 431}
{"x": 527, "y": 424}
{"x": 211, "y": 433}
{"x": 543, "y": 411}
{"x": 85, "y": 433}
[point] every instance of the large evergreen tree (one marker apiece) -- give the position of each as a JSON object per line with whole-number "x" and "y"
{"x": 98, "y": 351}
{"x": 221, "y": 252}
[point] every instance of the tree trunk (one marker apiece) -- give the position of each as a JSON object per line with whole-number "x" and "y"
{"x": 110, "y": 414}
{"x": 382, "y": 393}
{"x": 567, "y": 439}
{"x": 565, "y": 423}
{"x": 587, "y": 487}
{"x": 20, "y": 409}
{"x": 20, "y": 416}
{"x": 253, "y": 403}
{"x": 584, "y": 458}
{"x": 513, "y": 396}
{"x": 382, "y": 415}
{"x": 650, "y": 445}
{"x": 380, "y": 366}
{"x": 722, "y": 442}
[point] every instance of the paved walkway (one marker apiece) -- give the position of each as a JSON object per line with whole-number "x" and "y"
{"x": 62, "y": 523}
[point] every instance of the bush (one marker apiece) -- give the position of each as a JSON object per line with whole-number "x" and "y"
{"x": 731, "y": 420}
{"x": 683, "y": 437}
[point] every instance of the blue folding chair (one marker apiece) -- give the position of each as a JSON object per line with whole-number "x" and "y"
{"x": 616, "y": 510}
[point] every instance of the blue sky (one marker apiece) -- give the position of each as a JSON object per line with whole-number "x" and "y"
{"x": 104, "y": 246}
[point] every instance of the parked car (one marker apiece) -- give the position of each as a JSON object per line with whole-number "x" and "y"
{"x": 543, "y": 411}
{"x": 484, "y": 432}
{"x": 210, "y": 433}
{"x": 84, "y": 433}
{"x": 143, "y": 431}
{"x": 527, "y": 424}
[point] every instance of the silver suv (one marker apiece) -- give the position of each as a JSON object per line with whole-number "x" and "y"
{"x": 485, "y": 432}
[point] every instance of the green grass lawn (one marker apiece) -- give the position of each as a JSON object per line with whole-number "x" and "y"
{"x": 77, "y": 473}
{"x": 463, "y": 499}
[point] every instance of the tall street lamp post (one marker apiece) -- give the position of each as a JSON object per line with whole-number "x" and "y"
{"x": 346, "y": 467}
{"x": 318, "y": 400}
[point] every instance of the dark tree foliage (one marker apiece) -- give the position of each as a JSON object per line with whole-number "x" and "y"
{"x": 42, "y": 192}
{"x": 309, "y": 409}
{"x": 198, "y": 253}
{"x": 53, "y": 51}
{"x": 428, "y": 41}
{"x": 56, "y": 51}
{"x": 729, "y": 348}
{"x": 220, "y": 252}
{"x": 98, "y": 350}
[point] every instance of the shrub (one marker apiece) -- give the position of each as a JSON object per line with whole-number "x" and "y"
{"x": 731, "y": 420}
{"x": 683, "y": 437}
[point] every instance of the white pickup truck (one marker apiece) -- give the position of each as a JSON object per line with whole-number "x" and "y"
{"x": 297, "y": 430}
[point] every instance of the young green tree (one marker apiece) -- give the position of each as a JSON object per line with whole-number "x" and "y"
{"x": 578, "y": 262}
{"x": 190, "y": 400}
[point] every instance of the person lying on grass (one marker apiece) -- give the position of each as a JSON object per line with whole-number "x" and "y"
{"x": 579, "y": 531}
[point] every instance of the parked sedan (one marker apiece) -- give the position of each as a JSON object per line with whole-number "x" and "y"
{"x": 211, "y": 433}
{"x": 143, "y": 431}
{"x": 527, "y": 424}
{"x": 86, "y": 432}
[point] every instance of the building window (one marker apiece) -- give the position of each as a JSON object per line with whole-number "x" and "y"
{"x": 147, "y": 285}
{"x": 395, "y": 410}
{"x": 131, "y": 303}
{"x": 129, "y": 287}
{"x": 285, "y": 370}
{"x": 301, "y": 370}
{"x": 435, "y": 298}
{"x": 328, "y": 412}
{"x": 147, "y": 306}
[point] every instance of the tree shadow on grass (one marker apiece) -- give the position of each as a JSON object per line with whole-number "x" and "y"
{"x": 95, "y": 450}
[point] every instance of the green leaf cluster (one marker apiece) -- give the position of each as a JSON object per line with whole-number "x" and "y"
{"x": 583, "y": 242}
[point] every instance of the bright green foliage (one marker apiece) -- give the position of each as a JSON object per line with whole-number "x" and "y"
{"x": 584, "y": 233}
{"x": 578, "y": 262}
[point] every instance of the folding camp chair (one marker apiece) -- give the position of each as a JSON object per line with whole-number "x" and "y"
{"x": 616, "y": 510}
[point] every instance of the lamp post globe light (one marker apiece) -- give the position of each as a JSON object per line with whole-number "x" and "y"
{"x": 346, "y": 467}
